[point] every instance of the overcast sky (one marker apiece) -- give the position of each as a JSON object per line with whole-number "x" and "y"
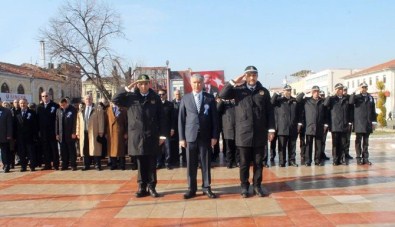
{"x": 279, "y": 37}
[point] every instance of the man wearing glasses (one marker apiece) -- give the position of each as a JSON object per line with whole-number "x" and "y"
{"x": 46, "y": 114}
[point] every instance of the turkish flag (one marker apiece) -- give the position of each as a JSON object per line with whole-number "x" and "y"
{"x": 214, "y": 81}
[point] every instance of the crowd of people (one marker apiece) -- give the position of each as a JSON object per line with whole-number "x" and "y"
{"x": 142, "y": 124}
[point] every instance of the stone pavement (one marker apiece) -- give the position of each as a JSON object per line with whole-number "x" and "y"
{"x": 299, "y": 196}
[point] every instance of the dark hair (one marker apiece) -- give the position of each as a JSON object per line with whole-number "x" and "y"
{"x": 161, "y": 89}
{"x": 64, "y": 100}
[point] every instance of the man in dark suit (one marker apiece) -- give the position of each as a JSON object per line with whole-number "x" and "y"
{"x": 46, "y": 113}
{"x": 314, "y": 121}
{"x": 146, "y": 130}
{"x": 254, "y": 125}
{"x": 226, "y": 109}
{"x": 66, "y": 122}
{"x": 348, "y": 136}
{"x": 287, "y": 115}
{"x": 208, "y": 87}
{"x": 364, "y": 121}
{"x": 178, "y": 154}
{"x": 168, "y": 110}
{"x": 5, "y": 137}
{"x": 339, "y": 123}
{"x": 198, "y": 130}
{"x": 26, "y": 134}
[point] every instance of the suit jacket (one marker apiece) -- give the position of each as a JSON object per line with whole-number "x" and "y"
{"x": 168, "y": 111}
{"x": 339, "y": 113}
{"x": 213, "y": 90}
{"x": 26, "y": 126}
{"x": 191, "y": 122}
{"x": 226, "y": 109}
{"x": 364, "y": 113}
{"x": 287, "y": 115}
{"x": 116, "y": 128}
{"x": 314, "y": 115}
{"x": 95, "y": 126}
{"x": 66, "y": 123}
{"x": 46, "y": 120}
{"x": 6, "y": 124}
{"x": 253, "y": 113}
{"x": 145, "y": 121}
{"x": 174, "y": 121}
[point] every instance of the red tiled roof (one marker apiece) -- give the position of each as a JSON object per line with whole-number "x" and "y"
{"x": 30, "y": 71}
{"x": 376, "y": 68}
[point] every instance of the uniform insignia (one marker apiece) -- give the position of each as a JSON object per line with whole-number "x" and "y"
{"x": 152, "y": 101}
{"x": 261, "y": 92}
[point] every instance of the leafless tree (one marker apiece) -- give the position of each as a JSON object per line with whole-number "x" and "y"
{"x": 81, "y": 34}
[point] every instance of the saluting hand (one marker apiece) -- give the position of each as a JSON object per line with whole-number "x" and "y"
{"x": 239, "y": 80}
{"x": 132, "y": 85}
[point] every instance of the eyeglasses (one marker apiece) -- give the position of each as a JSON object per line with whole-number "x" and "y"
{"x": 44, "y": 96}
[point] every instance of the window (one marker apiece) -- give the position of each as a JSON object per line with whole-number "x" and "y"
{"x": 5, "y": 88}
{"x": 370, "y": 81}
{"x": 348, "y": 83}
{"x": 21, "y": 90}
{"x": 377, "y": 79}
{"x": 62, "y": 93}
{"x": 40, "y": 90}
{"x": 357, "y": 82}
{"x": 98, "y": 95}
{"x": 50, "y": 93}
{"x": 352, "y": 84}
{"x": 384, "y": 79}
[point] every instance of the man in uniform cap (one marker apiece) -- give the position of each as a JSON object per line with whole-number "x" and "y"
{"x": 254, "y": 117}
{"x": 314, "y": 120}
{"x": 348, "y": 136}
{"x": 287, "y": 117}
{"x": 364, "y": 122}
{"x": 146, "y": 130}
{"x": 340, "y": 121}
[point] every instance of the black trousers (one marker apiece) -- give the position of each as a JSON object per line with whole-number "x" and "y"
{"x": 146, "y": 165}
{"x": 323, "y": 155}
{"x": 231, "y": 154}
{"x": 68, "y": 153}
{"x": 287, "y": 143}
{"x": 6, "y": 154}
{"x": 114, "y": 162}
{"x": 273, "y": 145}
{"x": 361, "y": 146}
{"x": 248, "y": 155}
{"x": 195, "y": 150}
{"x": 50, "y": 152}
{"x": 309, "y": 149}
{"x": 26, "y": 153}
{"x": 302, "y": 145}
{"x": 338, "y": 142}
{"x": 347, "y": 143}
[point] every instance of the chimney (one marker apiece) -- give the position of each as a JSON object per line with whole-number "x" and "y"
{"x": 42, "y": 53}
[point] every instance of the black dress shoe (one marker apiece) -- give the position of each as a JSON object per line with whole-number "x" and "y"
{"x": 326, "y": 158}
{"x": 282, "y": 165}
{"x": 32, "y": 169}
{"x": 56, "y": 168}
{"x": 293, "y": 164}
{"x": 153, "y": 192}
{"x": 335, "y": 164}
{"x": 308, "y": 164}
{"x": 6, "y": 170}
{"x": 265, "y": 165}
{"x": 359, "y": 163}
{"x": 209, "y": 194}
{"x": 46, "y": 168}
{"x": 189, "y": 194}
{"x": 321, "y": 164}
{"x": 23, "y": 169}
{"x": 349, "y": 157}
{"x": 367, "y": 162}
{"x": 259, "y": 192}
{"x": 85, "y": 168}
{"x": 229, "y": 166}
{"x": 141, "y": 193}
{"x": 73, "y": 168}
{"x": 244, "y": 193}
{"x": 168, "y": 167}
{"x": 113, "y": 168}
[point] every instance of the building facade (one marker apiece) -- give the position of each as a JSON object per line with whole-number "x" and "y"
{"x": 112, "y": 87}
{"x": 31, "y": 80}
{"x": 326, "y": 79}
{"x": 383, "y": 72}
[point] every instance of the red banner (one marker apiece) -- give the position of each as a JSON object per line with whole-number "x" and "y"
{"x": 214, "y": 81}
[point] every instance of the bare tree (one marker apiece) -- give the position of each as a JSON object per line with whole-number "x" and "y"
{"x": 80, "y": 35}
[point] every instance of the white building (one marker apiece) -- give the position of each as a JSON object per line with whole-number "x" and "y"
{"x": 326, "y": 79}
{"x": 383, "y": 72}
